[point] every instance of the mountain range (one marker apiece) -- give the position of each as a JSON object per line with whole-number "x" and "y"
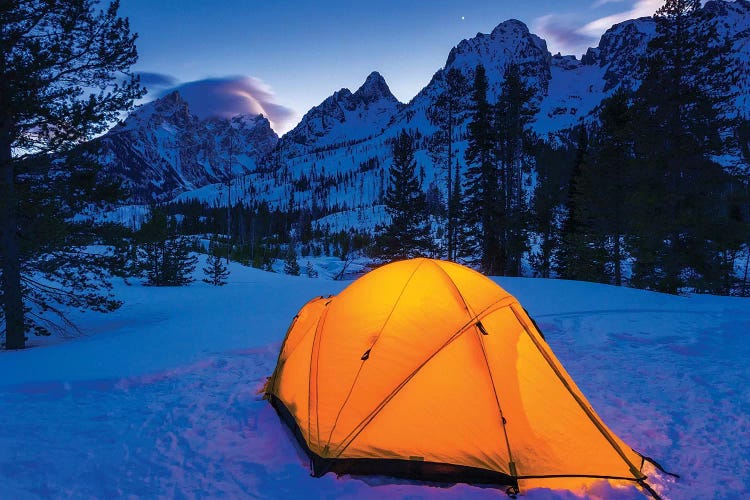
{"x": 163, "y": 152}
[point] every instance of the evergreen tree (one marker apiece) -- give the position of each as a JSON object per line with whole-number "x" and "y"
{"x": 445, "y": 113}
{"x": 682, "y": 126}
{"x": 291, "y": 266}
{"x": 615, "y": 174}
{"x": 164, "y": 256}
{"x": 570, "y": 248}
{"x": 464, "y": 250}
{"x": 553, "y": 171}
{"x": 600, "y": 196}
{"x": 407, "y": 235}
{"x": 514, "y": 112}
{"x": 215, "y": 273}
{"x": 310, "y": 270}
{"x": 484, "y": 210}
{"x": 64, "y": 77}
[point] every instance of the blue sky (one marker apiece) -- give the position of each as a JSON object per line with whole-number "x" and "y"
{"x": 285, "y": 56}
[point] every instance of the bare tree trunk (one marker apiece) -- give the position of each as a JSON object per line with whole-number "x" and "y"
{"x": 747, "y": 267}
{"x": 450, "y": 185}
{"x": 229, "y": 197}
{"x": 12, "y": 299}
{"x": 618, "y": 261}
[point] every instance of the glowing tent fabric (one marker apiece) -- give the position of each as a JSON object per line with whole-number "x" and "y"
{"x": 427, "y": 369}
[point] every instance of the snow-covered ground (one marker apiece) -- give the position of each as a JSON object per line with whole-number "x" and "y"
{"x": 160, "y": 398}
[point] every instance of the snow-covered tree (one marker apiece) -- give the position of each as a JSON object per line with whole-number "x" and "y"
{"x": 164, "y": 256}
{"x": 215, "y": 273}
{"x": 291, "y": 266}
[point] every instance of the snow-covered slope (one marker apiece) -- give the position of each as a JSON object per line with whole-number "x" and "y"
{"x": 340, "y": 152}
{"x": 162, "y": 149}
{"x": 161, "y": 399}
{"x": 336, "y": 159}
{"x": 343, "y": 118}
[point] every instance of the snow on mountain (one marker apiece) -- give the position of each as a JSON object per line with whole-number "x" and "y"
{"x": 160, "y": 397}
{"x": 510, "y": 41}
{"x": 162, "y": 149}
{"x": 337, "y": 156}
{"x": 343, "y": 117}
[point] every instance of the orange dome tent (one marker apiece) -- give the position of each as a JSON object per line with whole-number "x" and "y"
{"x": 429, "y": 370}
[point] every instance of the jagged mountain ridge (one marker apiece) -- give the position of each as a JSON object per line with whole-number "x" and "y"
{"x": 344, "y": 116}
{"x": 349, "y": 133}
{"x": 162, "y": 149}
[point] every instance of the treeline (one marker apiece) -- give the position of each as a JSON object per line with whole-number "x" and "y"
{"x": 649, "y": 201}
{"x": 643, "y": 196}
{"x": 255, "y": 234}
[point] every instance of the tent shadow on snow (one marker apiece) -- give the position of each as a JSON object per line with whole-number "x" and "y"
{"x": 426, "y": 370}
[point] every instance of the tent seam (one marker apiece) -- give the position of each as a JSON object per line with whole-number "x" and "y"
{"x": 486, "y": 362}
{"x": 362, "y": 364}
{"x": 589, "y": 413}
{"x": 316, "y": 342}
{"x": 503, "y": 302}
{"x": 497, "y": 400}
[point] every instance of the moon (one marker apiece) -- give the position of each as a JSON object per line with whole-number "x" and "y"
{"x": 462, "y": 18}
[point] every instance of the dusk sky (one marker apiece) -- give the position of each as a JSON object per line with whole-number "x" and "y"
{"x": 282, "y": 57}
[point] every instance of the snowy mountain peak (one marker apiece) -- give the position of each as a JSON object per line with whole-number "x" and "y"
{"x": 163, "y": 149}
{"x": 510, "y": 26}
{"x": 510, "y": 42}
{"x": 344, "y": 117}
{"x": 170, "y": 108}
{"x": 374, "y": 89}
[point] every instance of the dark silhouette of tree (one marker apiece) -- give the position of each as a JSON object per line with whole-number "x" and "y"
{"x": 163, "y": 254}
{"x": 601, "y": 196}
{"x": 513, "y": 114}
{"x": 215, "y": 273}
{"x": 682, "y": 126}
{"x": 553, "y": 171}
{"x": 64, "y": 77}
{"x": 291, "y": 266}
{"x": 483, "y": 208}
{"x": 445, "y": 113}
{"x": 566, "y": 256}
{"x": 407, "y": 235}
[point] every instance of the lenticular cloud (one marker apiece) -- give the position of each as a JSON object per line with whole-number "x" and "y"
{"x": 230, "y": 96}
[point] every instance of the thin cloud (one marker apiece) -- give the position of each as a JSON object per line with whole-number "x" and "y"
{"x": 234, "y": 95}
{"x": 599, "y": 3}
{"x": 641, "y": 8}
{"x": 156, "y": 80}
{"x": 564, "y": 34}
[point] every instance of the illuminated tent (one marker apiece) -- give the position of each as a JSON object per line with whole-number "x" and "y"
{"x": 428, "y": 370}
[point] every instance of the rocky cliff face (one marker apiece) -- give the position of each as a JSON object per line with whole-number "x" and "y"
{"x": 343, "y": 117}
{"x": 162, "y": 149}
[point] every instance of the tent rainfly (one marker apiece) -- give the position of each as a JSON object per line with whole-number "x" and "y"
{"x": 426, "y": 369}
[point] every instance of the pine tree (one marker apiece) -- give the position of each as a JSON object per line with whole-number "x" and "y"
{"x": 215, "y": 273}
{"x": 513, "y": 114}
{"x": 682, "y": 126}
{"x": 570, "y": 248}
{"x": 407, "y": 235}
{"x": 445, "y": 113}
{"x": 291, "y": 266}
{"x": 52, "y": 55}
{"x": 484, "y": 210}
{"x": 600, "y": 196}
{"x": 164, "y": 256}
{"x": 465, "y": 250}
{"x": 553, "y": 171}
{"x": 310, "y": 270}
